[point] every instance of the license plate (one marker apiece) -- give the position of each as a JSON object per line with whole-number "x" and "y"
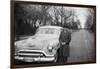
{"x": 28, "y": 59}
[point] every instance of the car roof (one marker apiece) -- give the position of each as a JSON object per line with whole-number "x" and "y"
{"x": 57, "y": 27}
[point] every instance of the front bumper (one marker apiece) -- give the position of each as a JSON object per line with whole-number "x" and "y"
{"x": 35, "y": 59}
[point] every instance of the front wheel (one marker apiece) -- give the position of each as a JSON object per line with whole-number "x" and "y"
{"x": 56, "y": 57}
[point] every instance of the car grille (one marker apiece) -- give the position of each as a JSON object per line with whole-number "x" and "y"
{"x": 30, "y": 54}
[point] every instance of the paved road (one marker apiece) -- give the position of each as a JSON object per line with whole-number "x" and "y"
{"x": 81, "y": 46}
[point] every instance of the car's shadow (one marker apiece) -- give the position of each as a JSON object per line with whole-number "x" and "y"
{"x": 29, "y": 63}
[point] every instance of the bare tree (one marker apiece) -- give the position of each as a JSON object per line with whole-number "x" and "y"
{"x": 61, "y": 15}
{"x": 29, "y": 17}
{"x": 45, "y": 14}
{"x": 89, "y": 22}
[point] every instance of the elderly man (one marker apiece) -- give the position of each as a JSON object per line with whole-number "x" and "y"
{"x": 65, "y": 39}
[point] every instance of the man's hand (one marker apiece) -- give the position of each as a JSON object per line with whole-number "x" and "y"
{"x": 63, "y": 43}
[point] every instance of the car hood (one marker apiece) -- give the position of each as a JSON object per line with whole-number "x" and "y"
{"x": 37, "y": 42}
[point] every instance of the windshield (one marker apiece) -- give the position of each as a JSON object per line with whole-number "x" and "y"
{"x": 48, "y": 31}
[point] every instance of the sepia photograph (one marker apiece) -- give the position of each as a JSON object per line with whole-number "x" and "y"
{"x": 48, "y": 34}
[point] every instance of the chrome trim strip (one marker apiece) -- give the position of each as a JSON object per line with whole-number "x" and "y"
{"x": 30, "y": 54}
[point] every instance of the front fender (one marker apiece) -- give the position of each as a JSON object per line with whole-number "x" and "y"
{"x": 56, "y": 48}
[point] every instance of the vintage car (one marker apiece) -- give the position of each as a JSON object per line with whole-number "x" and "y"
{"x": 41, "y": 47}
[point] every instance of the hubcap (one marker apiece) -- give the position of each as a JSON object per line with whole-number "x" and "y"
{"x": 56, "y": 57}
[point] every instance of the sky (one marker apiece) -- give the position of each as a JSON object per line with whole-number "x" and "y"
{"x": 82, "y": 14}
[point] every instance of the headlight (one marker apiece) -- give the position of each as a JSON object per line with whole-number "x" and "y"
{"x": 16, "y": 50}
{"x": 50, "y": 47}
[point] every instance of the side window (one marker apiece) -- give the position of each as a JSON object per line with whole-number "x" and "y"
{"x": 61, "y": 31}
